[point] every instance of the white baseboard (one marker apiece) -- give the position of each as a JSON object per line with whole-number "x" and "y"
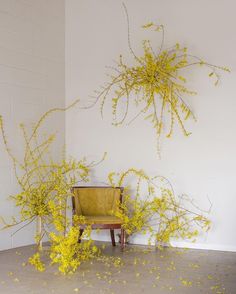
{"x": 204, "y": 246}
{"x": 139, "y": 240}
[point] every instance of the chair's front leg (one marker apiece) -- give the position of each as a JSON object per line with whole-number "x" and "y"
{"x": 113, "y": 237}
{"x": 80, "y": 234}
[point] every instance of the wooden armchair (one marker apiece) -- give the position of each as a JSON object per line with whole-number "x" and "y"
{"x": 96, "y": 205}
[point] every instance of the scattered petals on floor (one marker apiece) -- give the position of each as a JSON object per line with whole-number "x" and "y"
{"x": 138, "y": 270}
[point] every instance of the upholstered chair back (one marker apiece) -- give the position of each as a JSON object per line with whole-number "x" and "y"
{"x": 96, "y": 201}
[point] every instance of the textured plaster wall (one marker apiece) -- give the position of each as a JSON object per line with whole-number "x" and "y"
{"x": 202, "y": 165}
{"x": 32, "y": 41}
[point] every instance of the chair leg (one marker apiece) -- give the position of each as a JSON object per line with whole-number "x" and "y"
{"x": 80, "y": 234}
{"x": 112, "y": 237}
{"x": 122, "y": 239}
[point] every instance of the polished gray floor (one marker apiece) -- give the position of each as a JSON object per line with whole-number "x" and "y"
{"x": 144, "y": 271}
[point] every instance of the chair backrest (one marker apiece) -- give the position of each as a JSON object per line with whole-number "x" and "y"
{"x": 96, "y": 200}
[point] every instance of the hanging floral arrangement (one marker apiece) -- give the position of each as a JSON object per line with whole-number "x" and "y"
{"x": 156, "y": 84}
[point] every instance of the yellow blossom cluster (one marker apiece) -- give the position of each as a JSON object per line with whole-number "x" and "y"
{"x": 155, "y": 84}
{"x": 45, "y": 187}
{"x": 36, "y": 262}
{"x": 68, "y": 253}
{"x": 44, "y": 183}
{"x": 156, "y": 210}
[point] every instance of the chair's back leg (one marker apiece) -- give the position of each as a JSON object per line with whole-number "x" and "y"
{"x": 122, "y": 239}
{"x": 113, "y": 237}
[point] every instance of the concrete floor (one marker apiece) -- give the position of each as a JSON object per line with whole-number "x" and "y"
{"x": 144, "y": 271}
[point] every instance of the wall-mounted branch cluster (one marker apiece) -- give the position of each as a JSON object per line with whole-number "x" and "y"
{"x": 155, "y": 83}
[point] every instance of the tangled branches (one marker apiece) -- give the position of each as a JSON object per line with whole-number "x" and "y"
{"x": 155, "y": 84}
{"x": 45, "y": 187}
{"x": 157, "y": 210}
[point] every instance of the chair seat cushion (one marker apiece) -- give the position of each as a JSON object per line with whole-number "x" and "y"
{"x": 102, "y": 219}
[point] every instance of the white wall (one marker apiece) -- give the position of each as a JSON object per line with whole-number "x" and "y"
{"x": 32, "y": 76}
{"x": 202, "y": 165}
